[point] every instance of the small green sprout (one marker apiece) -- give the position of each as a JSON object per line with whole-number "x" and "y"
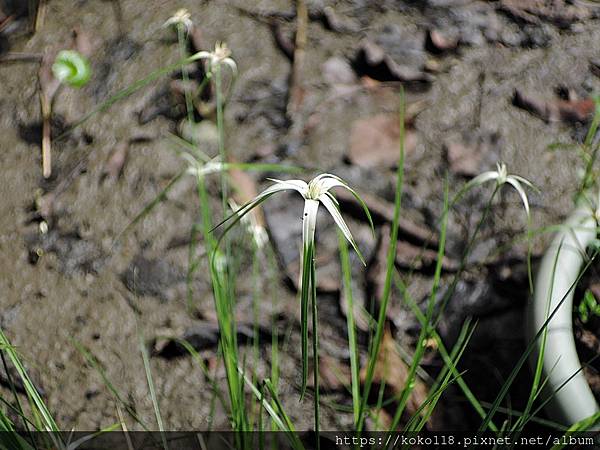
{"x": 71, "y": 68}
{"x": 315, "y": 193}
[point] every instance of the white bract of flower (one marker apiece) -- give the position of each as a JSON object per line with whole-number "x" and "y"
{"x": 181, "y": 17}
{"x": 316, "y": 192}
{"x": 220, "y": 56}
{"x": 501, "y": 176}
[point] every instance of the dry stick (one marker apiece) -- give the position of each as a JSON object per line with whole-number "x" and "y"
{"x": 46, "y": 131}
{"x": 15, "y": 57}
{"x": 40, "y": 14}
{"x": 296, "y": 87}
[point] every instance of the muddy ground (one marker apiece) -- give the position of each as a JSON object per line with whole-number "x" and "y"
{"x": 461, "y": 63}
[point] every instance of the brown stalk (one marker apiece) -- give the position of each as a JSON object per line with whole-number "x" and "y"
{"x": 296, "y": 87}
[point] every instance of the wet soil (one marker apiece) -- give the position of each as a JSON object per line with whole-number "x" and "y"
{"x": 74, "y": 283}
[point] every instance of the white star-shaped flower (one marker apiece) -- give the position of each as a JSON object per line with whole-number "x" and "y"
{"x": 220, "y": 56}
{"x": 501, "y": 176}
{"x": 181, "y": 17}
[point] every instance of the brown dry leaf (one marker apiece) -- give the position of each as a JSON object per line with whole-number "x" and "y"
{"x": 556, "y": 110}
{"x": 375, "y": 141}
{"x": 245, "y": 191}
{"x": 391, "y": 369}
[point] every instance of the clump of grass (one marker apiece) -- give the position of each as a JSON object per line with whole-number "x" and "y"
{"x": 315, "y": 193}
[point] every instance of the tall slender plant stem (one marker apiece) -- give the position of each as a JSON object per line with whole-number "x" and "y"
{"x": 352, "y": 343}
{"x": 387, "y": 290}
{"x": 221, "y": 131}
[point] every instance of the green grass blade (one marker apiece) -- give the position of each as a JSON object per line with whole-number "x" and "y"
{"x": 152, "y": 390}
{"x": 352, "y": 342}
{"x": 445, "y": 375}
{"x": 427, "y": 328}
{"x": 162, "y": 195}
{"x": 446, "y": 358}
{"x": 391, "y": 257}
{"x": 32, "y": 393}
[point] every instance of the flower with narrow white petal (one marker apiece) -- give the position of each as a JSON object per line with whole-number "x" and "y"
{"x": 220, "y": 56}
{"x": 315, "y": 193}
{"x": 181, "y": 17}
{"x": 501, "y": 176}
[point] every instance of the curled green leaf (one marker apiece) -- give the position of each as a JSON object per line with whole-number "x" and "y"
{"x": 72, "y": 68}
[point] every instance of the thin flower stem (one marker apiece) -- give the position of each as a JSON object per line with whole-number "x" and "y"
{"x": 221, "y": 131}
{"x": 387, "y": 290}
{"x": 352, "y": 343}
{"x": 182, "y": 40}
{"x": 463, "y": 261}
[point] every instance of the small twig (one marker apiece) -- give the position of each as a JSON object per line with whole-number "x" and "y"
{"x": 46, "y": 135}
{"x": 14, "y": 57}
{"x": 40, "y": 15}
{"x": 36, "y": 12}
{"x": 296, "y": 87}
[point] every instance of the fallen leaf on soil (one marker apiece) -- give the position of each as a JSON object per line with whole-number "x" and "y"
{"x": 556, "y": 110}
{"x": 393, "y": 370}
{"x": 375, "y": 141}
{"x": 245, "y": 191}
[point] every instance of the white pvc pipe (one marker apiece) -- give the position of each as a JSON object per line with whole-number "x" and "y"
{"x": 574, "y": 401}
